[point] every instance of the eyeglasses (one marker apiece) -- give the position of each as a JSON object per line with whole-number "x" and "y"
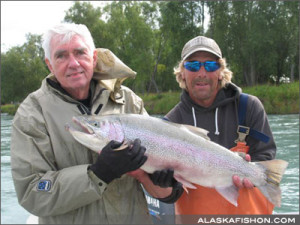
{"x": 194, "y": 66}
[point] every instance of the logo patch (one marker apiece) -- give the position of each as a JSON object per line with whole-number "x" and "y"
{"x": 44, "y": 185}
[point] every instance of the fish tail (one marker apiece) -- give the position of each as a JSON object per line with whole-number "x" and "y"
{"x": 274, "y": 170}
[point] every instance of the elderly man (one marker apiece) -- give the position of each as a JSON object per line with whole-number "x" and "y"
{"x": 55, "y": 177}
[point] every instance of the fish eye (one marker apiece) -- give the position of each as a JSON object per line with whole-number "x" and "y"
{"x": 95, "y": 124}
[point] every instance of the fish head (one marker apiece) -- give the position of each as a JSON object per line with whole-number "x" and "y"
{"x": 95, "y": 132}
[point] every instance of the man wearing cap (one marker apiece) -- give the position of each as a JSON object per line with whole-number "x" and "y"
{"x": 210, "y": 101}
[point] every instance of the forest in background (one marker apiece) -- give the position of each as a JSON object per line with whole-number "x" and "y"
{"x": 259, "y": 39}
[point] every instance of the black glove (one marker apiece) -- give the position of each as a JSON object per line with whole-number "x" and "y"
{"x": 113, "y": 163}
{"x": 163, "y": 178}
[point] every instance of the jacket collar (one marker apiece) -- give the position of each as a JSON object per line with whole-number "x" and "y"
{"x": 112, "y": 85}
{"x": 225, "y": 95}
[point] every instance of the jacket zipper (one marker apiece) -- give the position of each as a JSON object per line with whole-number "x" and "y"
{"x": 83, "y": 109}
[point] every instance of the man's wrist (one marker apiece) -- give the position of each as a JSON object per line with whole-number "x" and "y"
{"x": 177, "y": 191}
{"x": 100, "y": 184}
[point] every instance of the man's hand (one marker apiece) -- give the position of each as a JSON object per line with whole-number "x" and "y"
{"x": 163, "y": 178}
{"x": 112, "y": 163}
{"x": 245, "y": 183}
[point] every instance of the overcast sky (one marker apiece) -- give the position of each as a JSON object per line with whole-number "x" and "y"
{"x": 21, "y": 17}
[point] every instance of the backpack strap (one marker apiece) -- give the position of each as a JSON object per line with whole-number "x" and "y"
{"x": 243, "y": 130}
{"x": 243, "y": 108}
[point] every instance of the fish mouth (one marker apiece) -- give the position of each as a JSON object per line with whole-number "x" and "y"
{"x": 82, "y": 126}
{"x": 82, "y": 131}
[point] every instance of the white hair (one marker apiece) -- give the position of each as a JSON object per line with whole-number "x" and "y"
{"x": 66, "y": 32}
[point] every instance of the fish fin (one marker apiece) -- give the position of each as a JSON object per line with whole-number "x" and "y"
{"x": 230, "y": 193}
{"x": 241, "y": 154}
{"x": 184, "y": 182}
{"x": 274, "y": 170}
{"x": 185, "y": 188}
{"x": 196, "y": 130}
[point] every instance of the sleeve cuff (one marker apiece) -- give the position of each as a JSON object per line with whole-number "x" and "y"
{"x": 100, "y": 184}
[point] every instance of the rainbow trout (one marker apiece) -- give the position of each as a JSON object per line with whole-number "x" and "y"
{"x": 186, "y": 149}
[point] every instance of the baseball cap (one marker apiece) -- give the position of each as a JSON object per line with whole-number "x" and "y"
{"x": 200, "y": 43}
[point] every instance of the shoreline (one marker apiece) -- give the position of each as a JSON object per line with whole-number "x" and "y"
{"x": 276, "y": 99}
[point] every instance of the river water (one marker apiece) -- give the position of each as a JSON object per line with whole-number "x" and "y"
{"x": 285, "y": 130}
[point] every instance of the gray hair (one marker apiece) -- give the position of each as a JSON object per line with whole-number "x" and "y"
{"x": 67, "y": 32}
{"x": 225, "y": 72}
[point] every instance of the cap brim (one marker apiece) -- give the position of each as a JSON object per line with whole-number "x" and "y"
{"x": 201, "y": 49}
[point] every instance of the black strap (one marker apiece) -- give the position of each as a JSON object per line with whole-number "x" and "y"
{"x": 98, "y": 109}
{"x": 244, "y": 130}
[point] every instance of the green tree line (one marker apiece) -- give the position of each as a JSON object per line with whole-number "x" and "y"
{"x": 259, "y": 39}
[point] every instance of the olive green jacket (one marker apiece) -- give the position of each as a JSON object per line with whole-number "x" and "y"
{"x": 49, "y": 167}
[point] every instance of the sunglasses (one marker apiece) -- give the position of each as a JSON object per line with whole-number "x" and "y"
{"x": 194, "y": 66}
